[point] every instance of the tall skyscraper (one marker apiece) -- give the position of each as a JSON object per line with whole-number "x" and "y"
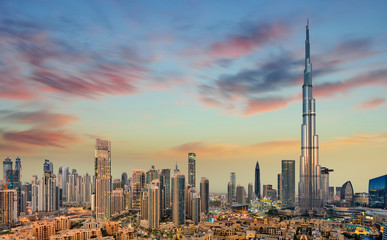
{"x": 309, "y": 191}
{"x": 8, "y": 206}
{"x": 152, "y": 174}
{"x": 124, "y": 179}
{"x": 48, "y": 166}
{"x": 241, "y": 194}
{"x": 250, "y": 193}
{"x": 257, "y": 181}
{"x": 195, "y": 208}
{"x": 377, "y": 188}
{"x": 288, "y": 183}
{"x": 47, "y": 193}
{"x": 165, "y": 184}
{"x": 17, "y": 174}
{"x": 65, "y": 179}
{"x": 153, "y": 206}
{"x": 8, "y": 172}
{"x": 192, "y": 169}
{"x": 178, "y": 209}
{"x": 279, "y": 186}
{"x": 325, "y": 184}
{"x": 229, "y": 193}
{"x": 102, "y": 179}
{"x": 233, "y": 182}
{"x": 205, "y": 194}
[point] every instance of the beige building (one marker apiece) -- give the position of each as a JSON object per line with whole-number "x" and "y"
{"x": 43, "y": 230}
{"x": 8, "y": 206}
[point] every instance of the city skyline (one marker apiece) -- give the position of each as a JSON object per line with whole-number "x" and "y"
{"x": 232, "y": 98}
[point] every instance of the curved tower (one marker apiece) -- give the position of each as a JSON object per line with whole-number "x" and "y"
{"x": 309, "y": 191}
{"x": 257, "y": 181}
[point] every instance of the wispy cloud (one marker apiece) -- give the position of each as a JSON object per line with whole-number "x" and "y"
{"x": 371, "y": 103}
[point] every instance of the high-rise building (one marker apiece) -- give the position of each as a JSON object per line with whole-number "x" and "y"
{"x": 117, "y": 200}
{"x": 195, "y": 208}
{"x": 152, "y": 174}
{"x": 229, "y": 193}
{"x": 65, "y": 178}
{"x": 204, "y": 194}
{"x": 153, "y": 206}
{"x": 8, "y": 206}
{"x": 178, "y": 209}
{"x": 165, "y": 189}
{"x": 8, "y": 172}
{"x": 288, "y": 183}
{"x": 48, "y": 166}
{"x": 138, "y": 183}
{"x": 331, "y": 193}
{"x": 272, "y": 194}
{"x": 347, "y": 194}
{"x": 250, "y": 192}
{"x": 279, "y": 186}
{"x": 124, "y": 179}
{"x": 309, "y": 191}
{"x": 241, "y": 194}
{"x": 186, "y": 199}
{"x": 191, "y": 192}
{"x": 17, "y": 174}
{"x": 377, "y": 192}
{"x": 257, "y": 181}
{"x": 47, "y": 201}
{"x": 102, "y": 179}
{"x": 266, "y": 187}
{"x": 144, "y": 204}
{"x": 176, "y": 170}
{"x": 325, "y": 184}
{"x": 233, "y": 182}
{"x": 192, "y": 169}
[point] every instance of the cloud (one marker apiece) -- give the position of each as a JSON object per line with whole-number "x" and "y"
{"x": 251, "y": 38}
{"x": 44, "y": 129}
{"x": 372, "y": 103}
{"x": 363, "y": 139}
{"x": 256, "y": 106}
{"x": 206, "y": 149}
{"x": 373, "y": 78}
{"x": 41, "y": 137}
{"x": 43, "y": 119}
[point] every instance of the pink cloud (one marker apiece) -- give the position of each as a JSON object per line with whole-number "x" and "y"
{"x": 237, "y": 45}
{"x": 372, "y": 103}
{"x": 256, "y": 106}
{"x": 40, "y": 137}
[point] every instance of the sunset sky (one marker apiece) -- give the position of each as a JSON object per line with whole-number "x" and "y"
{"x": 222, "y": 79}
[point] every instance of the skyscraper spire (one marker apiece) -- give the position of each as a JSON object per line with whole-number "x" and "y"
{"x": 310, "y": 195}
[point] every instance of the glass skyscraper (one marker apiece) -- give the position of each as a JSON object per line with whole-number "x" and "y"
{"x": 309, "y": 191}
{"x": 192, "y": 169}
{"x": 178, "y": 205}
{"x": 257, "y": 189}
{"x": 288, "y": 183}
{"x": 377, "y": 188}
{"x": 8, "y": 172}
{"x": 102, "y": 179}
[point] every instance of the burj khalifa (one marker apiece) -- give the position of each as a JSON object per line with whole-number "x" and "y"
{"x": 309, "y": 191}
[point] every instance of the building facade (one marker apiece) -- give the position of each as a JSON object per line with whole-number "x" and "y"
{"x": 309, "y": 191}
{"x": 288, "y": 183}
{"x": 103, "y": 179}
{"x": 192, "y": 169}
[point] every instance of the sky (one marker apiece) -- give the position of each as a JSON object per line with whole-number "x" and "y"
{"x": 223, "y": 79}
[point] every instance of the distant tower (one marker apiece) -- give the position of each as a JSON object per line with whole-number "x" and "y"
{"x": 176, "y": 170}
{"x": 124, "y": 179}
{"x": 309, "y": 191}
{"x": 103, "y": 179}
{"x": 279, "y": 186}
{"x": 8, "y": 172}
{"x": 48, "y": 166}
{"x": 250, "y": 192}
{"x": 288, "y": 183}
{"x": 152, "y": 174}
{"x": 154, "y": 205}
{"x": 241, "y": 194}
{"x": 204, "y": 194}
{"x": 257, "y": 181}
{"x": 233, "y": 182}
{"x": 192, "y": 169}
{"x": 325, "y": 184}
{"x": 229, "y": 193}
{"x": 178, "y": 209}
{"x": 196, "y": 208}
{"x": 165, "y": 189}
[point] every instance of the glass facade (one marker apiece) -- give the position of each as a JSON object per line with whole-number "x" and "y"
{"x": 377, "y": 192}
{"x": 347, "y": 192}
